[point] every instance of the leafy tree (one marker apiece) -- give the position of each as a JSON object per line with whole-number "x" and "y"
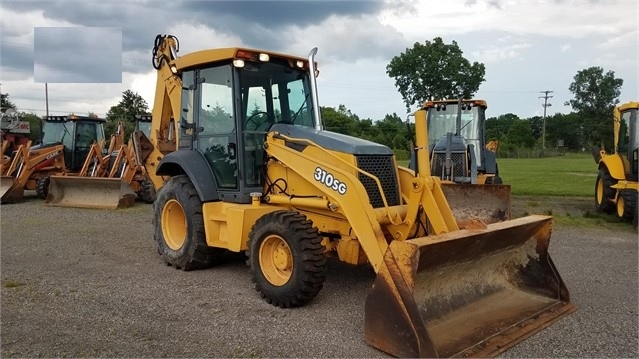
{"x": 595, "y": 95}
{"x": 497, "y": 127}
{"x": 35, "y": 124}
{"x": 434, "y": 70}
{"x": 520, "y": 134}
{"x": 131, "y": 104}
{"x": 339, "y": 120}
{"x": 5, "y": 103}
{"x": 567, "y": 128}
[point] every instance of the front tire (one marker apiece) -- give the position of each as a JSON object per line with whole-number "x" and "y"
{"x": 626, "y": 205}
{"x": 42, "y": 187}
{"x": 286, "y": 258}
{"x": 179, "y": 226}
{"x": 603, "y": 193}
{"x": 147, "y": 191}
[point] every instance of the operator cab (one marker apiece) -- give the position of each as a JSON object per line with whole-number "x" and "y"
{"x": 465, "y": 122}
{"x": 628, "y": 145}
{"x": 228, "y": 107}
{"x": 76, "y": 133}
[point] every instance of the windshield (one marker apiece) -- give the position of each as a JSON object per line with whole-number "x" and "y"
{"x": 273, "y": 92}
{"x": 628, "y": 134}
{"x": 443, "y": 119}
{"x": 58, "y": 132}
{"x": 145, "y": 127}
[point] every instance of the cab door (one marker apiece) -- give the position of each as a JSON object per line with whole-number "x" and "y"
{"x": 216, "y": 132}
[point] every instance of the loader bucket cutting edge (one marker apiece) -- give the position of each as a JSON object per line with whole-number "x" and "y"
{"x": 10, "y": 190}
{"x": 488, "y": 203}
{"x": 466, "y": 293}
{"x": 89, "y": 192}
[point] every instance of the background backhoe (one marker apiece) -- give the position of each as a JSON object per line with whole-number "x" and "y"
{"x": 459, "y": 154}
{"x": 113, "y": 180}
{"x": 616, "y": 185}
{"x": 255, "y": 171}
{"x": 66, "y": 142}
{"x": 13, "y": 133}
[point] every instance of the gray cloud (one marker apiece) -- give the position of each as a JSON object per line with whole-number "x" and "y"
{"x": 256, "y": 23}
{"x": 78, "y": 54}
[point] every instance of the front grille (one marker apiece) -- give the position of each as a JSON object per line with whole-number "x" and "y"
{"x": 382, "y": 167}
{"x": 458, "y": 162}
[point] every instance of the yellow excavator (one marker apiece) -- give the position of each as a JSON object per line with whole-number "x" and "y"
{"x": 616, "y": 185}
{"x": 255, "y": 171}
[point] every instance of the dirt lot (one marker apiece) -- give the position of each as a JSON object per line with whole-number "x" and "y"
{"x": 89, "y": 283}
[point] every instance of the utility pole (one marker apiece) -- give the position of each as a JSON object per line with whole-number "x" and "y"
{"x": 546, "y": 105}
{"x": 46, "y": 97}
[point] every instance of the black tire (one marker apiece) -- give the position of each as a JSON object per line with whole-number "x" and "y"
{"x": 147, "y": 191}
{"x": 305, "y": 273}
{"x": 182, "y": 241}
{"x": 42, "y": 187}
{"x": 626, "y": 205}
{"x": 494, "y": 180}
{"x": 603, "y": 193}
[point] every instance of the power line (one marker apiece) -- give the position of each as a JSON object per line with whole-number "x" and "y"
{"x": 545, "y": 105}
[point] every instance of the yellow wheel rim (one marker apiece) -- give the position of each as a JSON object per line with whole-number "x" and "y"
{"x": 276, "y": 260}
{"x": 620, "y": 207}
{"x": 600, "y": 191}
{"x": 173, "y": 224}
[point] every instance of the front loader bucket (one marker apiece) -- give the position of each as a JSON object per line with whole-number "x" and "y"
{"x": 488, "y": 203}
{"x": 10, "y": 190}
{"x": 466, "y": 293}
{"x": 89, "y": 192}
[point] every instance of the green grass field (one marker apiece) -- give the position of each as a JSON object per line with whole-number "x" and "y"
{"x": 570, "y": 175}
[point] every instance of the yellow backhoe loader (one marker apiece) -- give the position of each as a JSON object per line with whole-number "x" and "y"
{"x": 66, "y": 142}
{"x": 457, "y": 143}
{"x": 255, "y": 171}
{"x": 616, "y": 185}
{"x": 111, "y": 181}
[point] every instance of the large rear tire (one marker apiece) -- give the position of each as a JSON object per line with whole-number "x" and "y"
{"x": 604, "y": 195}
{"x": 286, "y": 259}
{"x": 626, "y": 205}
{"x": 179, "y": 226}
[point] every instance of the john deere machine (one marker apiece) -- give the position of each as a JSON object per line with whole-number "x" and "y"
{"x": 66, "y": 142}
{"x": 255, "y": 171}
{"x": 616, "y": 185}
{"x": 457, "y": 142}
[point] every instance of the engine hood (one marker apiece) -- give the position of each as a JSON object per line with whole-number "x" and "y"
{"x": 332, "y": 141}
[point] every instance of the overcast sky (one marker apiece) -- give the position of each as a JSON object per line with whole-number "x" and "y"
{"x": 527, "y": 46}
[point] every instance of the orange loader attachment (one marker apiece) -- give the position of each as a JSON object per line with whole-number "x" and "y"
{"x": 89, "y": 192}
{"x": 105, "y": 182}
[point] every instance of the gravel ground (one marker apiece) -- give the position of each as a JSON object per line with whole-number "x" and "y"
{"x": 89, "y": 283}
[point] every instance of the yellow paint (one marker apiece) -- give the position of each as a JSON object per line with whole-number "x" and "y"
{"x": 174, "y": 228}
{"x": 276, "y": 260}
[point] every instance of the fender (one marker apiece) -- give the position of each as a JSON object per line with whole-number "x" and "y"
{"x": 193, "y": 164}
{"x": 614, "y": 165}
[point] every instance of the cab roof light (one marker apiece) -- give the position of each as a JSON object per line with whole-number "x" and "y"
{"x": 243, "y": 54}
{"x": 264, "y": 57}
{"x": 238, "y": 63}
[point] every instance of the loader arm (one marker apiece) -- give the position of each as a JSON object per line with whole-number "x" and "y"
{"x": 353, "y": 202}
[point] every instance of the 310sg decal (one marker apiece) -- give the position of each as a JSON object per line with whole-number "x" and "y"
{"x": 321, "y": 175}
